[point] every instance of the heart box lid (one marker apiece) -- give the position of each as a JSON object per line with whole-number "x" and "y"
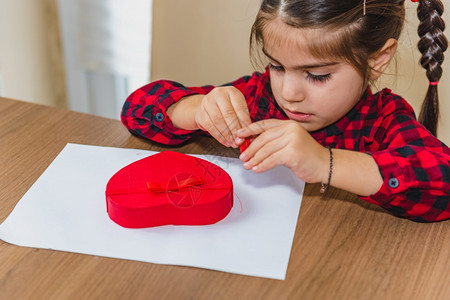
{"x": 169, "y": 188}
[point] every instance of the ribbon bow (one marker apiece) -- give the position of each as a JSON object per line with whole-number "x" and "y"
{"x": 174, "y": 185}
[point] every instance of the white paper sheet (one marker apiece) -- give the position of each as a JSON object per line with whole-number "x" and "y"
{"x": 66, "y": 210}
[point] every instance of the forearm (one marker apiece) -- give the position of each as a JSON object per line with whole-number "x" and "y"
{"x": 355, "y": 172}
{"x": 182, "y": 113}
{"x": 144, "y": 112}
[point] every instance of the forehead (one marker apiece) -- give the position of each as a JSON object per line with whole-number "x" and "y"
{"x": 312, "y": 42}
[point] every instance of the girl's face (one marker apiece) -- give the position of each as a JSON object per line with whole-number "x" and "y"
{"x": 314, "y": 92}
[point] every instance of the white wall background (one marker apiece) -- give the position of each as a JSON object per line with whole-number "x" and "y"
{"x": 106, "y": 49}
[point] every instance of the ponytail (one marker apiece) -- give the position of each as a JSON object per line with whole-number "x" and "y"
{"x": 432, "y": 45}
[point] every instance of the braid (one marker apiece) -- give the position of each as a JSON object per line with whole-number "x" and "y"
{"x": 432, "y": 45}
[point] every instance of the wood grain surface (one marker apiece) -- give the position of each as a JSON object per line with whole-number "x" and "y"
{"x": 344, "y": 248}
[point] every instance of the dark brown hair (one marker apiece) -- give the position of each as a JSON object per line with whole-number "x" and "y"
{"x": 432, "y": 45}
{"x": 359, "y": 29}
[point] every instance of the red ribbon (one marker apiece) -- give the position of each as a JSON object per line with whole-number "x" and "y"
{"x": 160, "y": 187}
{"x": 172, "y": 186}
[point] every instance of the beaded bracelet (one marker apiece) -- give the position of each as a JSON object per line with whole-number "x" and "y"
{"x": 324, "y": 187}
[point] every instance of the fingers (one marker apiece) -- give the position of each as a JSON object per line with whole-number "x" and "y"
{"x": 230, "y": 121}
{"x": 267, "y": 157}
{"x": 257, "y": 128}
{"x": 281, "y": 142}
{"x": 207, "y": 122}
{"x": 241, "y": 109}
{"x": 223, "y": 111}
{"x": 235, "y": 113}
{"x": 286, "y": 143}
{"x": 260, "y": 155}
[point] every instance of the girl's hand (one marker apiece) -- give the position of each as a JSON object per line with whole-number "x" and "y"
{"x": 221, "y": 113}
{"x": 287, "y": 143}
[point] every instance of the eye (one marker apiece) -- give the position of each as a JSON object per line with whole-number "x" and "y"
{"x": 276, "y": 68}
{"x": 318, "y": 78}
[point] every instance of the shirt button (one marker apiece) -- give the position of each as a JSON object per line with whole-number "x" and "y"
{"x": 159, "y": 117}
{"x": 393, "y": 183}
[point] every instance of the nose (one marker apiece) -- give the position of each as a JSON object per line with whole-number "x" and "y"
{"x": 292, "y": 88}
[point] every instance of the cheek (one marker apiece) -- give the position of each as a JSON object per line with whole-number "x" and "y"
{"x": 276, "y": 86}
{"x": 340, "y": 104}
{"x": 346, "y": 92}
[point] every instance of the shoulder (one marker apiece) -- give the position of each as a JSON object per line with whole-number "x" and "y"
{"x": 391, "y": 104}
{"x": 394, "y": 113}
{"x": 385, "y": 117}
{"x": 398, "y": 124}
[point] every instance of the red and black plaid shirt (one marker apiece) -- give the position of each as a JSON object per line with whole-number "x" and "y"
{"x": 415, "y": 166}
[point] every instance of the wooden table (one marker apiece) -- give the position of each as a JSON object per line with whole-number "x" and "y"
{"x": 344, "y": 248}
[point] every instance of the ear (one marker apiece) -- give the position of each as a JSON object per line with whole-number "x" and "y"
{"x": 381, "y": 59}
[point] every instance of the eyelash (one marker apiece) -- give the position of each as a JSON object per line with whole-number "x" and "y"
{"x": 318, "y": 78}
{"x": 309, "y": 76}
{"x": 276, "y": 67}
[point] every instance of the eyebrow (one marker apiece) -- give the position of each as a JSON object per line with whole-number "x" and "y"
{"x": 313, "y": 66}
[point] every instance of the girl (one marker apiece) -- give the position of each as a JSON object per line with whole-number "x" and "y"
{"x": 313, "y": 110}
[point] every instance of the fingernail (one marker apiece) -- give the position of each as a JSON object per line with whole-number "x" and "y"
{"x": 239, "y": 140}
{"x": 242, "y": 156}
{"x": 239, "y": 131}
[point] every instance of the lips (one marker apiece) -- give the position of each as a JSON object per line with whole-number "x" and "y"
{"x": 298, "y": 116}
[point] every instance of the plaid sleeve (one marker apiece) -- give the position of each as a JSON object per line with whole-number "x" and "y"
{"x": 144, "y": 113}
{"x": 415, "y": 167}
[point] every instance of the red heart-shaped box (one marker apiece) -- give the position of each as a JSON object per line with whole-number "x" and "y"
{"x": 169, "y": 188}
